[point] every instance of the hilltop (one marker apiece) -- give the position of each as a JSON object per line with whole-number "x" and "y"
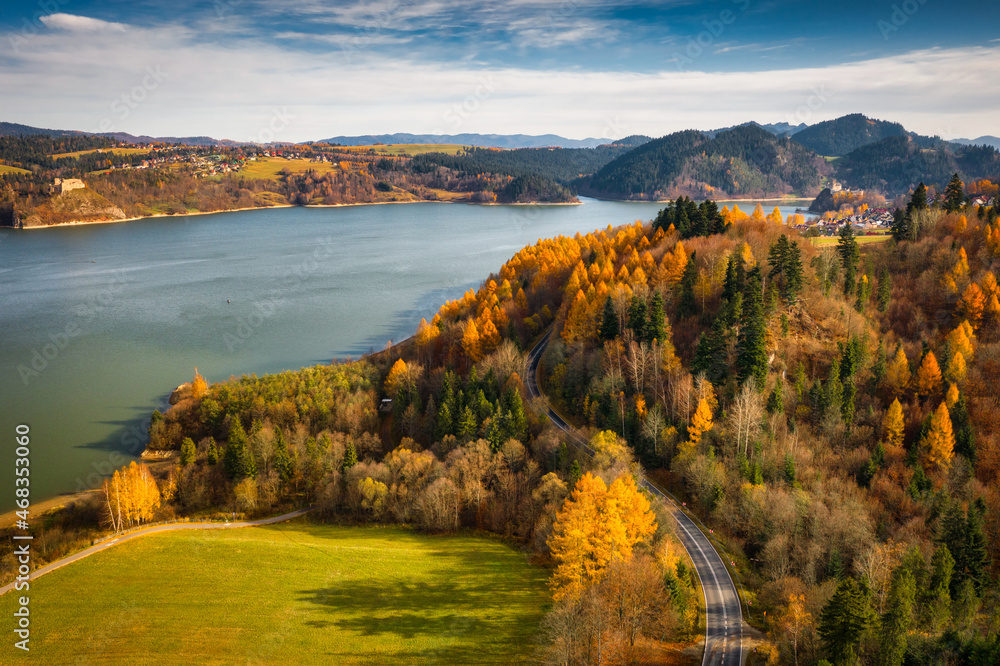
{"x": 745, "y": 161}
{"x": 845, "y": 134}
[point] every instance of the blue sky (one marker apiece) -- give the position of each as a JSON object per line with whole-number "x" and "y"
{"x": 294, "y": 71}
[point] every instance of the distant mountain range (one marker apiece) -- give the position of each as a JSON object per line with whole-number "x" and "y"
{"x": 478, "y": 140}
{"x": 747, "y": 160}
{"x": 987, "y": 140}
{"x": 777, "y": 129}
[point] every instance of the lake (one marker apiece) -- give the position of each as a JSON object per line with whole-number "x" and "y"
{"x": 101, "y": 322}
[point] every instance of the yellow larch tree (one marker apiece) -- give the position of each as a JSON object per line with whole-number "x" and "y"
{"x": 758, "y": 214}
{"x": 198, "y": 385}
{"x": 747, "y": 254}
{"x": 960, "y": 342}
{"x": 701, "y": 422}
{"x": 595, "y": 525}
{"x": 673, "y": 264}
{"x": 470, "y": 341}
{"x": 939, "y": 444}
{"x": 897, "y": 375}
{"x": 576, "y": 328}
{"x": 951, "y": 397}
{"x": 892, "y": 424}
{"x": 956, "y": 370}
{"x": 776, "y": 217}
{"x": 929, "y": 375}
{"x": 972, "y": 304}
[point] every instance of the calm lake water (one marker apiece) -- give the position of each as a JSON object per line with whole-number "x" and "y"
{"x": 101, "y": 322}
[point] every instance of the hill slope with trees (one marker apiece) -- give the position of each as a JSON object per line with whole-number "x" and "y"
{"x": 744, "y": 161}
{"x": 840, "y": 136}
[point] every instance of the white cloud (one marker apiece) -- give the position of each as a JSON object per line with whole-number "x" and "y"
{"x": 75, "y": 23}
{"x": 69, "y": 80}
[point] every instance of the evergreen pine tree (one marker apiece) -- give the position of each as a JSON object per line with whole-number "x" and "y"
{"x": 213, "y": 452}
{"x": 283, "y": 463}
{"x": 710, "y": 354}
{"x": 897, "y": 619}
{"x": 656, "y": 330}
{"x": 965, "y": 437}
{"x": 187, "y": 451}
{"x": 609, "y": 322}
{"x": 793, "y": 273}
{"x": 937, "y": 595}
{"x": 847, "y": 249}
{"x": 574, "y": 473}
{"x": 350, "y": 457}
{"x": 236, "y": 449}
{"x": 884, "y": 293}
{"x": 444, "y": 426}
{"x": 954, "y": 195}
{"x": 686, "y": 304}
{"x": 638, "y": 319}
{"x": 919, "y": 199}
{"x": 844, "y": 620}
{"x": 751, "y": 353}
{"x": 776, "y": 401}
{"x": 900, "y": 225}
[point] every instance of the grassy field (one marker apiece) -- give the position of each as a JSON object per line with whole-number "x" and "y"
{"x": 409, "y": 148}
{"x": 293, "y": 593}
{"x": 267, "y": 168}
{"x": 827, "y": 241}
{"x": 119, "y": 151}
{"x": 9, "y": 169}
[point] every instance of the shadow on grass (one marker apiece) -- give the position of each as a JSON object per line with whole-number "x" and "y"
{"x": 470, "y": 598}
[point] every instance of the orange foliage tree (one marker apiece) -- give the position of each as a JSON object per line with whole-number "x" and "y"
{"x": 596, "y": 525}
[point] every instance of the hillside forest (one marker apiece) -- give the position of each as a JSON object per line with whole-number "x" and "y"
{"x": 831, "y": 412}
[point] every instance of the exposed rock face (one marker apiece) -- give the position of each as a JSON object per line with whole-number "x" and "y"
{"x": 77, "y": 205}
{"x": 181, "y": 392}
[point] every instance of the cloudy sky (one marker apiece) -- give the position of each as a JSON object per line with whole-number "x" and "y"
{"x": 311, "y": 69}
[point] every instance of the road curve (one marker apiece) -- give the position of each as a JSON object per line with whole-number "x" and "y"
{"x": 108, "y": 543}
{"x": 723, "y": 613}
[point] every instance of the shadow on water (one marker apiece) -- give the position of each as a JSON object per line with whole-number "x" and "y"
{"x": 132, "y": 434}
{"x": 404, "y": 322}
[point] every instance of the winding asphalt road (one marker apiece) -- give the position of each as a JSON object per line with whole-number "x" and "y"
{"x": 724, "y": 615}
{"x": 171, "y": 527}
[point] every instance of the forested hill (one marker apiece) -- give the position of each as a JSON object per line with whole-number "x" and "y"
{"x": 894, "y": 164}
{"x": 840, "y": 136}
{"x": 560, "y": 164}
{"x": 743, "y": 161}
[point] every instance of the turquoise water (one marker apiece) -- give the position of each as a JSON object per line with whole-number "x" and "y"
{"x": 99, "y": 323}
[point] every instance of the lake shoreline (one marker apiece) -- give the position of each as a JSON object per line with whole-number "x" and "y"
{"x": 83, "y": 223}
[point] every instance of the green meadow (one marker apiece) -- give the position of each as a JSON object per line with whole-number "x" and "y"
{"x": 291, "y": 593}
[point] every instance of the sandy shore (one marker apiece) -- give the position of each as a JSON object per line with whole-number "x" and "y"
{"x": 40, "y": 508}
{"x": 236, "y": 210}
